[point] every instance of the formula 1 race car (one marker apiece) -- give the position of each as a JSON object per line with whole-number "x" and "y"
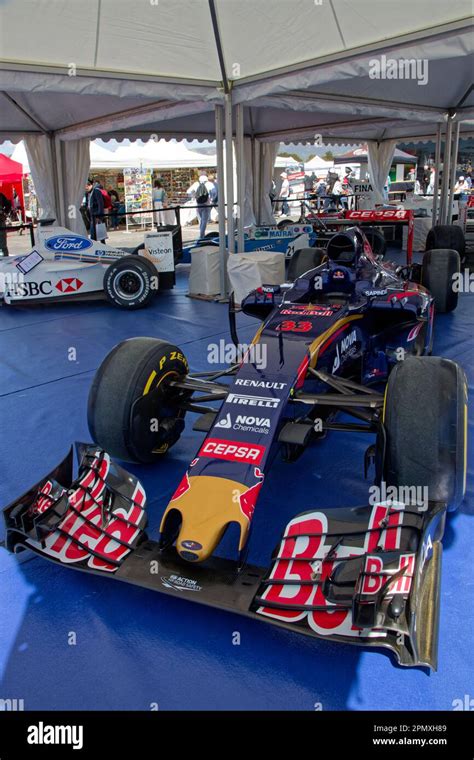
{"x": 64, "y": 265}
{"x": 346, "y": 328}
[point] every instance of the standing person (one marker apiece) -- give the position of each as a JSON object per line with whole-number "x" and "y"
{"x": 203, "y": 193}
{"x": 5, "y": 208}
{"x": 95, "y": 206}
{"x": 284, "y": 194}
{"x": 431, "y": 183}
{"x": 336, "y": 192}
{"x": 159, "y": 199}
{"x": 114, "y": 197}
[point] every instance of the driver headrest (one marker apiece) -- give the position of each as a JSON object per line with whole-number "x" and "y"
{"x": 343, "y": 248}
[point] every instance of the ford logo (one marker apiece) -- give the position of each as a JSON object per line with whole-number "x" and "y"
{"x": 67, "y": 243}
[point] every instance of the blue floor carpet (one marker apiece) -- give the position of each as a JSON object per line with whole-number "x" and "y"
{"x": 135, "y": 648}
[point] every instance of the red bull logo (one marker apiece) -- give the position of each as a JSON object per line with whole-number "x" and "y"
{"x": 248, "y": 498}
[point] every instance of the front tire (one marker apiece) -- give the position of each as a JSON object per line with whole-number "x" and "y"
{"x": 425, "y": 418}
{"x": 131, "y": 282}
{"x": 132, "y": 411}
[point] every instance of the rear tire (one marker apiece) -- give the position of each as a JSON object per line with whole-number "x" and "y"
{"x": 131, "y": 282}
{"x": 438, "y": 271}
{"x": 131, "y": 411}
{"x": 446, "y": 236}
{"x": 425, "y": 417}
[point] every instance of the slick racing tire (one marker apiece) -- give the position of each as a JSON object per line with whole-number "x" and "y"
{"x": 132, "y": 411}
{"x": 438, "y": 276}
{"x": 377, "y": 240}
{"x": 425, "y": 419}
{"x": 446, "y": 236}
{"x": 131, "y": 282}
{"x": 303, "y": 260}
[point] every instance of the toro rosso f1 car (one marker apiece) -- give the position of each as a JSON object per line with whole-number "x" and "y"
{"x": 350, "y": 334}
{"x": 64, "y": 265}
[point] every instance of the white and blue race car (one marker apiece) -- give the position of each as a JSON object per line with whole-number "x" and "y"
{"x": 64, "y": 265}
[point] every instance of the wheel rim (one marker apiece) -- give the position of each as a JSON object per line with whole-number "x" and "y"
{"x": 129, "y": 285}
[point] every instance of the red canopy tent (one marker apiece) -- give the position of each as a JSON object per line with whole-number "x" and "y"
{"x": 11, "y": 177}
{"x": 10, "y": 171}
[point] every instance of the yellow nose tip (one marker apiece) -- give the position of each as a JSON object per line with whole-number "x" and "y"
{"x": 207, "y": 507}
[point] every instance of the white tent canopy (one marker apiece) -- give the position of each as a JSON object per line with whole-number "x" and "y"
{"x": 318, "y": 164}
{"x": 114, "y": 69}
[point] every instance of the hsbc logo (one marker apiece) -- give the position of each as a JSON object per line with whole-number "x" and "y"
{"x": 29, "y": 289}
{"x": 265, "y": 401}
{"x": 69, "y": 285}
{"x": 232, "y": 451}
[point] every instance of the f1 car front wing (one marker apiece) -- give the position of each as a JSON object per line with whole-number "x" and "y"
{"x": 365, "y": 575}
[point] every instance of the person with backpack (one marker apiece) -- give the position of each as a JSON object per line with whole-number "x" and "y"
{"x": 204, "y": 193}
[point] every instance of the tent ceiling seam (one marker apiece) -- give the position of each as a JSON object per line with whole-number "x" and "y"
{"x": 336, "y": 21}
{"x": 97, "y": 32}
{"x": 25, "y": 112}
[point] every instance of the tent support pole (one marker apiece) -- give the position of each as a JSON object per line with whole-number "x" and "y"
{"x": 454, "y": 161}
{"x": 239, "y": 145}
{"x": 446, "y": 172}
{"x": 58, "y": 179}
{"x": 229, "y": 173}
{"x": 437, "y": 168}
{"x": 219, "y": 113}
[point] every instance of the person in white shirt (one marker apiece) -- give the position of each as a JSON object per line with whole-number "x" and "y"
{"x": 461, "y": 186}
{"x": 204, "y": 193}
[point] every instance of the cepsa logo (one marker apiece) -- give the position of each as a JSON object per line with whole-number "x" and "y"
{"x": 232, "y": 451}
{"x": 68, "y": 243}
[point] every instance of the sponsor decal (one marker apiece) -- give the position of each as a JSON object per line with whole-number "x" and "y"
{"x": 232, "y": 451}
{"x": 394, "y": 215}
{"x": 29, "y": 289}
{"x": 362, "y": 187}
{"x": 80, "y": 532}
{"x": 310, "y": 311}
{"x": 303, "y": 554}
{"x": 269, "y": 384}
{"x": 372, "y": 293}
{"x": 246, "y": 423}
{"x": 192, "y": 545}
{"x": 343, "y": 349}
{"x": 261, "y": 401}
{"x": 178, "y": 583}
{"x": 68, "y": 243}
{"x": 375, "y": 577}
{"x": 69, "y": 285}
{"x": 248, "y": 498}
{"x": 339, "y": 274}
